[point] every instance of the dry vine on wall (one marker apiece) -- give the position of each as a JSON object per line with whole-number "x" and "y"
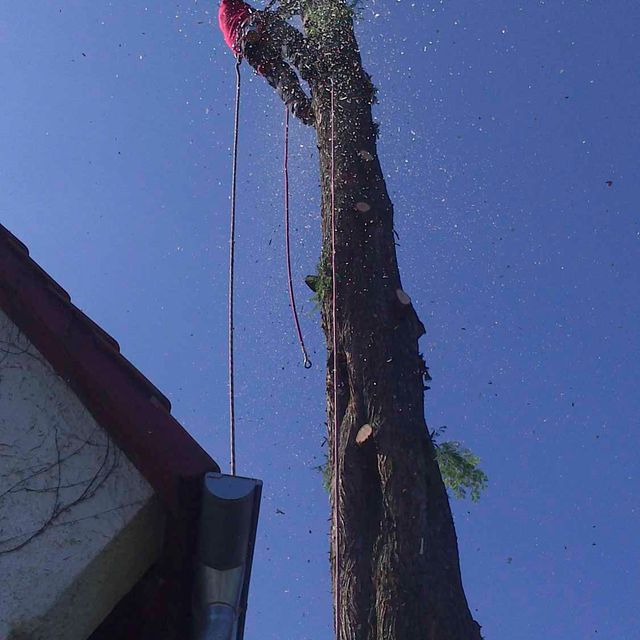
{"x": 52, "y": 459}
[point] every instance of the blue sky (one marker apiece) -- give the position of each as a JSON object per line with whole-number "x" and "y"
{"x": 501, "y": 124}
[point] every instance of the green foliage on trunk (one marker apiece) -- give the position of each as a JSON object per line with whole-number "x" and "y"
{"x": 294, "y": 7}
{"x": 459, "y": 468}
{"x": 323, "y": 18}
{"x": 321, "y": 282}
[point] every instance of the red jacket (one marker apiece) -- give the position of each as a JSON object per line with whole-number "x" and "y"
{"x": 231, "y": 15}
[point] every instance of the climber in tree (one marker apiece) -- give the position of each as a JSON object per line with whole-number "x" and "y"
{"x": 267, "y": 42}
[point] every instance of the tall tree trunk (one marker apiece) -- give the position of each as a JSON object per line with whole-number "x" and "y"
{"x": 399, "y": 575}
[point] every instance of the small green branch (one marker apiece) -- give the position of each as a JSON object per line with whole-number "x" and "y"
{"x": 320, "y": 282}
{"x": 459, "y": 468}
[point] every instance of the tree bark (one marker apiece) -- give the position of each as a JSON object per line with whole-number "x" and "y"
{"x": 399, "y": 576}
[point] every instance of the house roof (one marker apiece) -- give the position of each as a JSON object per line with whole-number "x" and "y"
{"x": 131, "y": 409}
{"x": 138, "y": 418}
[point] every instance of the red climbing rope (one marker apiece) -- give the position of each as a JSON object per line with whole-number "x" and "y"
{"x": 292, "y": 299}
{"x": 334, "y": 340}
{"x": 232, "y": 248}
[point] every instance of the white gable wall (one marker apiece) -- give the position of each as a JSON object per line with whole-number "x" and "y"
{"x": 79, "y": 525}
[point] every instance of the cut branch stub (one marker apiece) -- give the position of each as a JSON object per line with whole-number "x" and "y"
{"x": 364, "y": 433}
{"x": 403, "y": 297}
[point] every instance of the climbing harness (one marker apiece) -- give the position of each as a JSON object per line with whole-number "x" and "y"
{"x": 287, "y": 243}
{"x": 334, "y": 345}
{"x": 232, "y": 250}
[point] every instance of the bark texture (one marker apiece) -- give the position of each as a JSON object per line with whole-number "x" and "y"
{"x": 399, "y": 567}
